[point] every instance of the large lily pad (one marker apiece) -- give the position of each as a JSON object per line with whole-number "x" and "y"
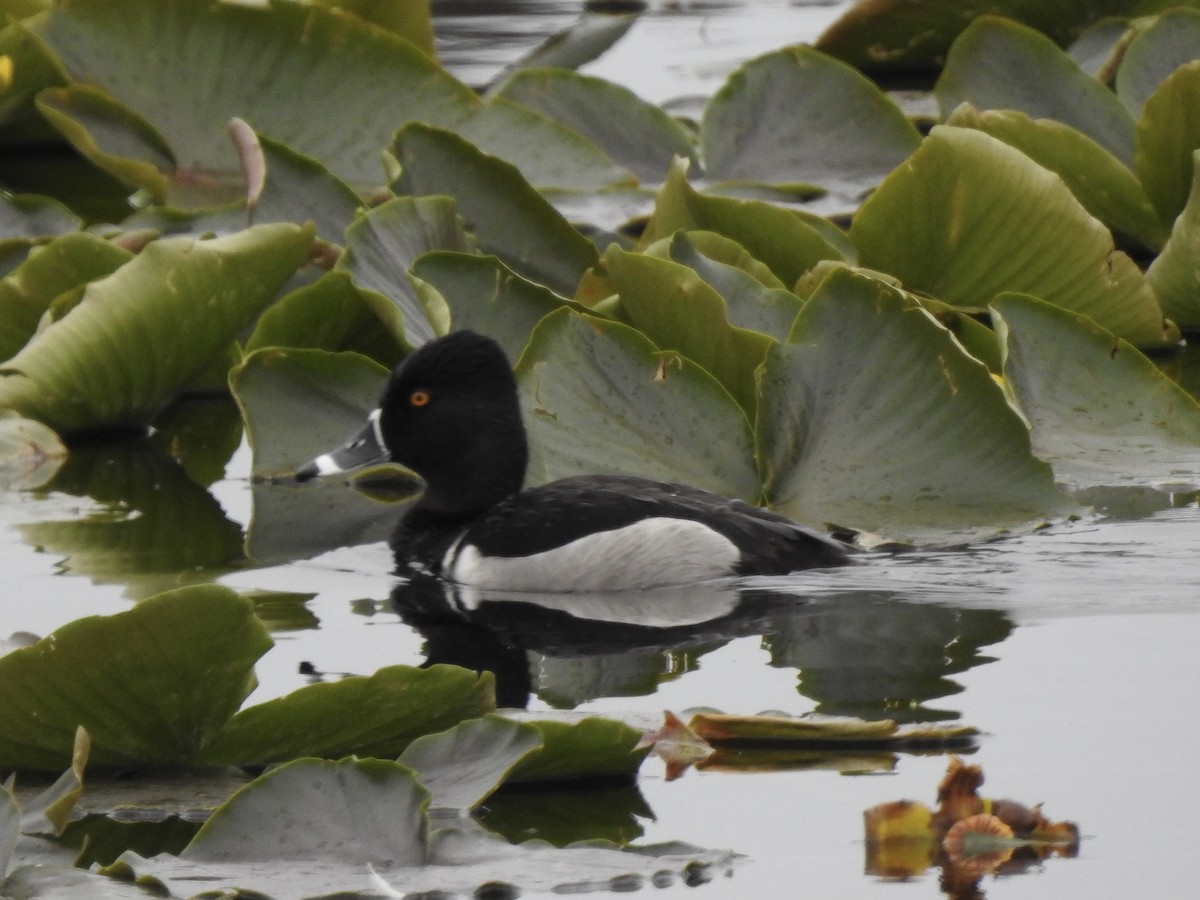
{"x": 968, "y": 217}
{"x": 591, "y": 748}
{"x": 1171, "y": 41}
{"x": 634, "y": 133}
{"x": 377, "y": 715}
{"x": 1101, "y": 412}
{"x": 161, "y": 680}
{"x": 873, "y": 416}
{"x": 599, "y": 397}
{"x": 509, "y": 218}
{"x": 798, "y": 115}
{"x": 1167, "y": 134}
{"x": 1173, "y": 274}
{"x": 146, "y": 331}
{"x": 999, "y": 64}
{"x": 366, "y": 811}
{"x": 678, "y": 310}
{"x": 202, "y": 63}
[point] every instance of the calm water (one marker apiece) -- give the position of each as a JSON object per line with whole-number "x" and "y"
{"x": 1074, "y": 649}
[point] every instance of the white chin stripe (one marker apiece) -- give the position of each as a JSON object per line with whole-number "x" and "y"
{"x": 326, "y": 466}
{"x": 650, "y": 553}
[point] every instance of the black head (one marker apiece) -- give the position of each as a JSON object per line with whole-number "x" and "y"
{"x": 450, "y": 413}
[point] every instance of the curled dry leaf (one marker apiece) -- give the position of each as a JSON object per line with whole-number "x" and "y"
{"x": 978, "y": 844}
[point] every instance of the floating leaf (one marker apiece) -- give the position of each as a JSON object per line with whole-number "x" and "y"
{"x": 377, "y": 715}
{"x": 1101, "y": 412}
{"x": 1172, "y": 40}
{"x": 364, "y": 811}
{"x": 1105, "y": 187}
{"x": 1173, "y": 274}
{"x": 30, "y": 453}
{"x": 412, "y": 21}
{"x": 27, "y": 217}
{"x": 678, "y": 310}
{"x": 383, "y": 244}
{"x": 162, "y": 680}
{"x": 50, "y": 811}
{"x": 298, "y": 404}
{"x": 784, "y": 240}
{"x": 509, "y": 217}
{"x": 1167, "y": 135}
{"x": 463, "y": 765}
{"x": 998, "y": 64}
{"x": 483, "y": 294}
{"x": 968, "y": 217}
{"x": 873, "y": 416}
{"x": 838, "y": 126}
{"x": 592, "y": 748}
{"x": 150, "y": 328}
{"x": 599, "y": 397}
{"x": 587, "y": 38}
{"x": 638, "y": 135}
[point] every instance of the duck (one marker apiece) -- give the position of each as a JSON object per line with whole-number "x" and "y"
{"x": 450, "y": 413}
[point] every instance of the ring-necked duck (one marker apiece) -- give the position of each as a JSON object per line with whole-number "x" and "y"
{"x": 450, "y": 413}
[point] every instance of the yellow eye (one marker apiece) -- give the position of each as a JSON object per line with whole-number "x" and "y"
{"x": 418, "y": 398}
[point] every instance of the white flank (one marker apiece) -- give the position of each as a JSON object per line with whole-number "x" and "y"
{"x": 647, "y": 554}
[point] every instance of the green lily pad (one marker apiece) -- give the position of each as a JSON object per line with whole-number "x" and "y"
{"x": 377, "y": 715}
{"x": 678, "y": 310}
{"x": 33, "y": 70}
{"x": 202, "y": 63}
{"x": 1167, "y": 134}
{"x": 598, "y": 396}
{"x": 383, "y": 244}
{"x": 999, "y": 64}
{"x": 50, "y": 811}
{"x": 872, "y": 416}
{"x": 585, "y": 39}
{"x": 754, "y": 298}
{"x": 592, "y": 748}
{"x": 412, "y": 21}
{"x": 146, "y": 331}
{"x": 1100, "y": 411}
{"x": 1106, "y": 188}
{"x": 968, "y": 217}
{"x": 638, "y": 135}
{"x": 298, "y": 404}
{"x": 485, "y": 295}
{"x": 463, "y": 765}
{"x": 329, "y": 314}
{"x": 162, "y": 680}
{"x": 1172, "y": 40}
{"x": 366, "y": 811}
{"x": 786, "y": 241}
{"x": 112, "y": 136}
{"x": 1173, "y": 274}
{"x": 65, "y": 263}
{"x": 26, "y": 217}
{"x": 509, "y": 218}
{"x": 800, "y": 115}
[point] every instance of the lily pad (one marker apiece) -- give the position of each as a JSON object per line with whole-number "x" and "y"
{"x": 163, "y": 678}
{"x": 146, "y": 331}
{"x": 999, "y": 64}
{"x": 509, "y": 218}
{"x": 678, "y": 310}
{"x": 786, "y": 241}
{"x": 29, "y": 216}
{"x": 184, "y": 84}
{"x": 299, "y": 403}
{"x": 799, "y": 115}
{"x": 377, "y": 715}
{"x": 383, "y": 244}
{"x": 593, "y": 748}
{"x": 1173, "y": 274}
{"x": 460, "y": 767}
{"x": 588, "y": 37}
{"x": 1172, "y": 40}
{"x": 485, "y": 295}
{"x": 638, "y": 135}
{"x": 1106, "y": 188}
{"x": 968, "y": 217}
{"x": 366, "y": 811}
{"x": 1167, "y": 134}
{"x": 598, "y": 396}
{"x": 872, "y": 416}
{"x": 30, "y": 453}
{"x": 65, "y": 263}
{"x": 1101, "y": 412}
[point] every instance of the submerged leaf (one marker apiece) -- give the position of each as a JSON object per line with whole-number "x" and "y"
{"x": 162, "y": 680}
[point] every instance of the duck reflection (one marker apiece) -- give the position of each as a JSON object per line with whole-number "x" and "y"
{"x": 869, "y": 654}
